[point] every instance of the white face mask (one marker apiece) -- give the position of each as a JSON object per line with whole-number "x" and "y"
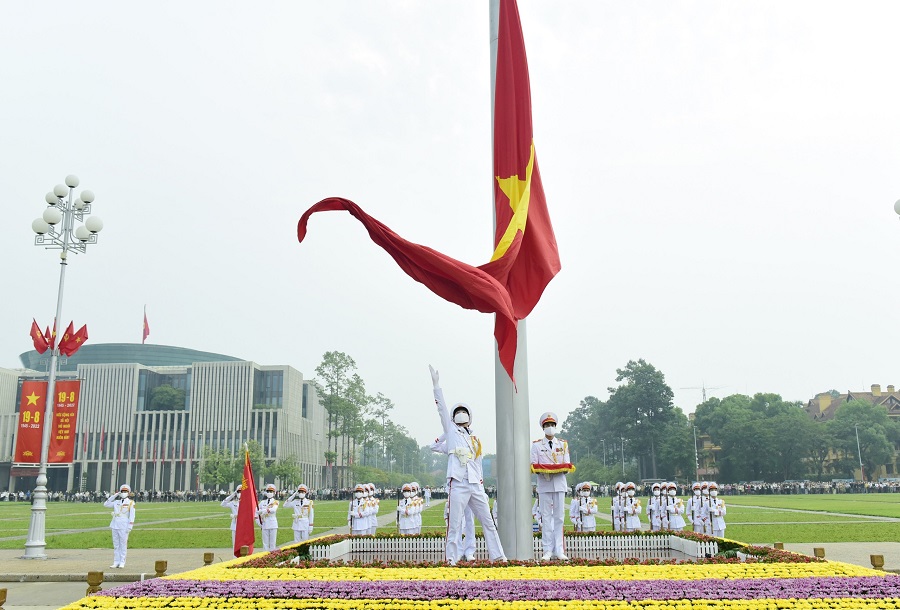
{"x": 301, "y": 495}
{"x": 655, "y": 492}
{"x": 461, "y": 418}
{"x": 585, "y": 493}
{"x": 696, "y": 492}
{"x": 270, "y": 494}
{"x": 672, "y": 492}
{"x": 550, "y": 431}
{"x": 714, "y": 493}
{"x": 358, "y": 494}
{"x": 630, "y": 492}
{"x": 407, "y": 494}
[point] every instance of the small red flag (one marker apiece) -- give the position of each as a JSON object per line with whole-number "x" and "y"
{"x": 146, "y": 327}
{"x": 245, "y": 531}
{"x": 72, "y": 341}
{"x": 40, "y": 341}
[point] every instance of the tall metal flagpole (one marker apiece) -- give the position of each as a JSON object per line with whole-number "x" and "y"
{"x": 513, "y": 439}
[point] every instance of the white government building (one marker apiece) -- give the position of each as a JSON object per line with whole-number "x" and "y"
{"x": 120, "y": 437}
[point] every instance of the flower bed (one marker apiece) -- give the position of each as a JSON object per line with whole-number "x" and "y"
{"x": 770, "y": 579}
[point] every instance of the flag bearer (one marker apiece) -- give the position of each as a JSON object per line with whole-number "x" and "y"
{"x": 465, "y": 478}
{"x": 267, "y": 519}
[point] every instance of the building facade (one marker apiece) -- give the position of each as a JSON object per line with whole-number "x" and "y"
{"x": 123, "y": 434}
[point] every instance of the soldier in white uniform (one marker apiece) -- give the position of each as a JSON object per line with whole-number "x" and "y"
{"x": 419, "y": 508}
{"x": 304, "y": 513}
{"x": 465, "y": 478}
{"x": 583, "y": 509}
{"x": 233, "y": 502}
{"x": 266, "y": 510}
{"x": 358, "y": 512}
{"x": 407, "y": 509}
{"x": 617, "y": 508}
{"x": 697, "y": 508}
{"x": 121, "y": 524}
{"x": 716, "y": 511}
{"x": 374, "y": 504}
{"x": 427, "y": 496}
{"x": 467, "y": 541}
{"x": 674, "y": 509}
{"x": 550, "y": 461}
{"x": 632, "y": 508}
{"x": 656, "y": 508}
{"x": 704, "y": 495}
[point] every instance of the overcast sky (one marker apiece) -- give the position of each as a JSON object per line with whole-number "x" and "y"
{"x": 720, "y": 177}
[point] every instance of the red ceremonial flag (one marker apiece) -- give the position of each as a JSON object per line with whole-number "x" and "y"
{"x": 40, "y": 341}
{"x": 50, "y": 335}
{"x": 102, "y": 436}
{"x": 146, "y": 327}
{"x": 245, "y": 531}
{"x": 72, "y": 341}
{"x": 525, "y": 257}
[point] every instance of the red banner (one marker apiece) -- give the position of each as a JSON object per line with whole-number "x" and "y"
{"x": 31, "y": 416}
{"x": 65, "y": 415}
{"x": 31, "y": 422}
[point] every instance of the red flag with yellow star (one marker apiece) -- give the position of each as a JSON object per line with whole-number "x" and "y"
{"x": 525, "y": 256}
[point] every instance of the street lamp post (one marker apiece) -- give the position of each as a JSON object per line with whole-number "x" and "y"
{"x": 623, "y": 454}
{"x": 603, "y": 440}
{"x": 862, "y": 475}
{"x": 696, "y": 457}
{"x": 56, "y": 230}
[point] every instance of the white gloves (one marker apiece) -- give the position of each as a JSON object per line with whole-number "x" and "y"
{"x": 435, "y": 378}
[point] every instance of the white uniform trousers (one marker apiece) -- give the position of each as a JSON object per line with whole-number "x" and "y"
{"x": 269, "y": 537}
{"x": 301, "y": 534}
{"x": 462, "y": 494}
{"x": 552, "y": 511}
{"x": 120, "y": 546}
{"x": 467, "y": 544}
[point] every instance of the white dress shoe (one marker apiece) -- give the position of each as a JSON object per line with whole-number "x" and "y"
{"x": 562, "y": 557}
{"x": 546, "y": 557}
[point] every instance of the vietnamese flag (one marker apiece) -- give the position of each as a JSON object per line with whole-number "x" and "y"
{"x": 525, "y": 256}
{"x": 37, "y": 337}
{"x": 245, "y": 531}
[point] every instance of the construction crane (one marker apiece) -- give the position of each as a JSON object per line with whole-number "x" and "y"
{"x": 704, "y": 388}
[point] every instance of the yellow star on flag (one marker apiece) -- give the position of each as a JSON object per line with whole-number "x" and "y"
{"x": 519, "y": 193}
{"x": 32, "y": 400}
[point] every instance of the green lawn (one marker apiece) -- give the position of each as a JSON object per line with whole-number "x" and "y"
{"x": 881, "y": 505}
{"x": 207, "y": 525}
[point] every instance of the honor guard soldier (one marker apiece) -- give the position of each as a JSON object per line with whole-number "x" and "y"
{"x": 374, "y": 504}
{"x": 268, "y": 521}
{"x": 550, "y": 462}
{"x": 716, "y": 511}
{"x": 122, "y": 506}
{"x": 704, "y": 495}
{"x": 632, "y": 508}
{"x": 655, "y": 508}
{"x": 674, "y": 509}
{"x": 465, "y": 476}
{"x": 304, "y": 513}
{"x": 417, "y": 499}
{"x": 358, "y": 512}
{"x": 697, "y": 509}
{"x": 233, "y": 503}
{"x": 617, "y": 510}
{"x": 407, "y": 509}
{"x": 583, "y": 509}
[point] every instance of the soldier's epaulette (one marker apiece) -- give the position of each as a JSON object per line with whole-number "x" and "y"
{"x": 537, "y": 441}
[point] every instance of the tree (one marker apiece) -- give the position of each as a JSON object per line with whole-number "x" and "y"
{"x": 286, "y": 470}
{"x": 642, "y": 408}
{"x": 342, "y": 392}
{"x": 877, "y": 435}
{"x": 166, "y": 398}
